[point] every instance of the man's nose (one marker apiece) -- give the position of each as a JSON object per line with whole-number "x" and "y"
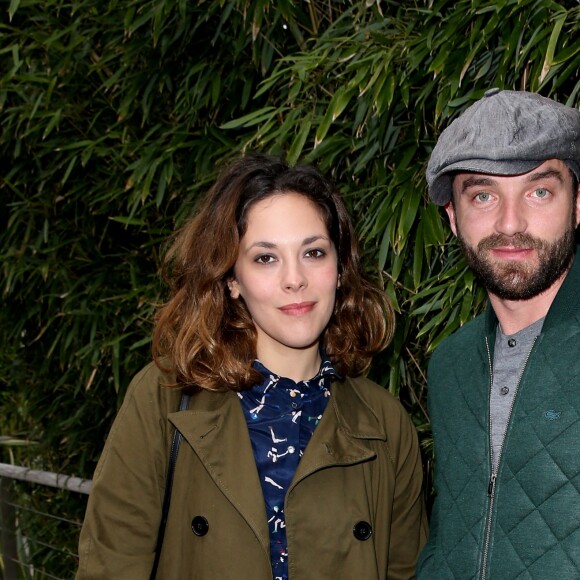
{"x": 511, "y": 218}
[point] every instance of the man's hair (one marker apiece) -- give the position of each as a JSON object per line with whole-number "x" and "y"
{"x": 206, "y": 337}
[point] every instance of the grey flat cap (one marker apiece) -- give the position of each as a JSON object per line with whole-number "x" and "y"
{"x": 504, "y": 133}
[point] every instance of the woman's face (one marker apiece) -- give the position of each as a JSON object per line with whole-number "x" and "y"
{"x": 287, "y": 274}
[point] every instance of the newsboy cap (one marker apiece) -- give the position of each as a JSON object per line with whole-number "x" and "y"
{"x": 504, "y": 133}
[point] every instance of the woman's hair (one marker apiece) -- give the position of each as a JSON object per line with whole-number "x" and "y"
{"x": 209, "y": 339}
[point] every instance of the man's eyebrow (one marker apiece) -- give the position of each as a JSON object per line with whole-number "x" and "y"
{"x": 476, "y": 180}
{"x": 546, "y": 175}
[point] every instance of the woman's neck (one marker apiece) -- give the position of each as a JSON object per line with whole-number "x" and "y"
{"x": 296, "y": 364}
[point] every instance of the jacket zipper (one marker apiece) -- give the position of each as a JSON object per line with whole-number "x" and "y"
{"x": 493, "y": 477}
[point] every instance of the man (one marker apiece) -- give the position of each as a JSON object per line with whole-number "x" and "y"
{"x": 504, "y": 390}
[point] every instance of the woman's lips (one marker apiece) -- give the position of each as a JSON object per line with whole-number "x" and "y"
{"x": 298, "y": 308}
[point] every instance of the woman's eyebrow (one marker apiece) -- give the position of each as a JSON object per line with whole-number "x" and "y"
{"x": 312, "y": 239}
{"x": 272, "y": 245}
{"x": 263, "y": 244}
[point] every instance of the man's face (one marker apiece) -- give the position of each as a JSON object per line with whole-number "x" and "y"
{"x": 517, "y": 232}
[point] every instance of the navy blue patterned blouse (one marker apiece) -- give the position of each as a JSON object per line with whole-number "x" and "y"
{"x": 281, "y": 417}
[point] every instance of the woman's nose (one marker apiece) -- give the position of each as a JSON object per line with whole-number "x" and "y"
{"x": 294, "y": 277}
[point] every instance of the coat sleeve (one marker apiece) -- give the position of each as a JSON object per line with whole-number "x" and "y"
{"x": 409, "y": 521}
{"x": 124, "y": 509}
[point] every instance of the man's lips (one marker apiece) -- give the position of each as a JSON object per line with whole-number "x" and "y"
{"x": 511, "y": 253}
{"x": 297, "y": 308}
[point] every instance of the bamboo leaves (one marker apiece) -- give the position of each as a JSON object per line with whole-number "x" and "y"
{"x": 113, "y": 121}
{"x": 13, "y": 8}
{"x": 336, "y": 106}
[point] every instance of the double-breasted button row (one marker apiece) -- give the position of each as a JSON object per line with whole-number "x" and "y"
{"x": 361, "y": 530}
{"x": 199, "y": 526}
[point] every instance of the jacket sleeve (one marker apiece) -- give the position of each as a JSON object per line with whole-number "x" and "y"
{"x": 409, "y": 521}
{"x": 124, "y": 509}
{"x": 426, "y": 561}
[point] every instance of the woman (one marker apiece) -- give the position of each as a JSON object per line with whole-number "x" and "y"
{"x": 290, "y": 467}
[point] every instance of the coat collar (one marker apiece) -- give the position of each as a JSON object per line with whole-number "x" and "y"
{"x": 338, "y": 437}
{"x": 214, "y": 426}
{"x": 353, "y": 414}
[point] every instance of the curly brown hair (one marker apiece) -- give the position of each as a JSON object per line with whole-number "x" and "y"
{"x": 207, "y": 338}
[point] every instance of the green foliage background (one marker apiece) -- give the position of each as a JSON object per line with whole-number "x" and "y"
{"x": 115, "y": 114}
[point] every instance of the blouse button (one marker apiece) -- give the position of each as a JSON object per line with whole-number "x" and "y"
{"x": 199, "y": 526}
{"x": 512, "y": 342}
{"x": 362, "y": 531}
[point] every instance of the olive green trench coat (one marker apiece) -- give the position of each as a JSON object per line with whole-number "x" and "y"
{"x": 354, "y": 509}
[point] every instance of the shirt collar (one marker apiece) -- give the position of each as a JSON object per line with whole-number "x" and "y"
{"x": 326, "y": 371}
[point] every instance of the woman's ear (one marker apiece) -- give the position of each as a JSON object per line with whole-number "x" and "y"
{"x": 234, "y": 288}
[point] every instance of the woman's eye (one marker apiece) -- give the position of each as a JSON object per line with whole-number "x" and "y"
{"x": 315, "y": 253}
{"x": 264, "y": 259}
{"x": 541, "y": 193}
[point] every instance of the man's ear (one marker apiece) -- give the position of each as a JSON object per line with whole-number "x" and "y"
{"x": 578, "y": 206}
{"x": 452, "y": 219}
{"x": 234, "y": 288}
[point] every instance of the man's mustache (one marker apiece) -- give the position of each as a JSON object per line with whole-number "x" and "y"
{"x": 519, "y": 240}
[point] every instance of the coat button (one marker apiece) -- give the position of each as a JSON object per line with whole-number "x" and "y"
{"x": 199, "y": 526}
{"x": 362, "y": 531}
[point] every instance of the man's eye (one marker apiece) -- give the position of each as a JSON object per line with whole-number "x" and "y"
{"x": 541, "y": 193}
{"x": 484, "y": 196}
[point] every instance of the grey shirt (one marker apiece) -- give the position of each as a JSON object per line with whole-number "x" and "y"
{"x": 509, "y": 360}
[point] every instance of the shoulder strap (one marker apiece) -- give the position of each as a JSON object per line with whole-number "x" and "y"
{"x": 184, "y": 403}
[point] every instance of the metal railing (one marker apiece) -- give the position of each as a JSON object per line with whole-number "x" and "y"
{"x": 36, "y": 540}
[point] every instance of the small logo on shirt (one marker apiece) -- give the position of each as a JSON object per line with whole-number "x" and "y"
{"x": 552, "y": 415}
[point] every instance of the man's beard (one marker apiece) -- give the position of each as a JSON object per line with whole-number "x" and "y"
{"x": 515, "y": 280}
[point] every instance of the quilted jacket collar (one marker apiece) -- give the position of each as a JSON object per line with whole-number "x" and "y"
{"x": 566, "y": 305}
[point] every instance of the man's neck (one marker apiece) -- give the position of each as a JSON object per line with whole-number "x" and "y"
{"x": 514, "y": 315}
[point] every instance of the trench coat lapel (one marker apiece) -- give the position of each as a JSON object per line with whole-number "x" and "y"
{"x": 214, "y": 426}
{"x": 337, "y": 438}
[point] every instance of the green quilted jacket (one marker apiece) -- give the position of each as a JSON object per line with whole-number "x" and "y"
{"x": 526, "y": 523}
